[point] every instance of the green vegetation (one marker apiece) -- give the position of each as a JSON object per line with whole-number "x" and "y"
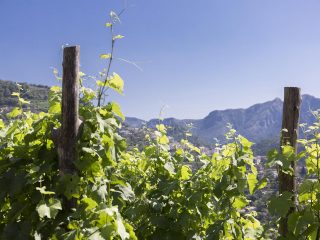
{"x": 119, "y": 194}
{"x": 157, "y": 192}
{"x": 33, "y": 192}
{"x": 36, "y": 94}
{"x": 175, "y": 202}
{"x": 304, "y": 223}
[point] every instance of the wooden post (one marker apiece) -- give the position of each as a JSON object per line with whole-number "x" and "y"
{"x": 290, "y": 121}
{"x": 70, "y": 110}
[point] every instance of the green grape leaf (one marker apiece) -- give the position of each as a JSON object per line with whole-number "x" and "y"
{"x": 279, "y": 206}
{"x": 43, "y": 191}
{"x": 116, "y": 83}
{"x": 245, "y": 142}
{"x": 16, "y": 94}
{"x": 88, "y": 94}
{"x": 161, "y": 128}
{"x": 163, "y": 139}
{"x": 105, "y": 56}
{"x": 100, "y": 83}
{"x": 116, "y": 109}
{"x": 55, "y": 108}
{"x": 55, "y": 89}
{"x": 69, "y": 186}
{"x": 169, "y": 167}
{"x": 127, "y": 193}
{"x": 55, "y": 206}
{"x": 23, "y": 101}
{"x": 117, "y": 37}
{"x": 15, "y": 112}
{"x": 262, "y": 184}
{"x": 121, "y": 228}
{"x": 240, "y": 202}
{"x": 90, "y": 203}
{"x": 1, "y": 124}
{"x": 252, "y": 181}
{"x": 292, "y": 221}
{"x": 49, "y": 209}
{"x": 43, "y": 210}
{"x": 185, "y": 173}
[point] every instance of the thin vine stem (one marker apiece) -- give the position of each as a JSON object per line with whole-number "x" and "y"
{"x": 102, "y": 89}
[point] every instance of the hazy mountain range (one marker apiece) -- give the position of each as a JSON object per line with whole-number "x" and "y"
{"x": 259, "y": 123}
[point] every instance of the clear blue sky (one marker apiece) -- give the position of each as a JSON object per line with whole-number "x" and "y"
{"x": 197, "y": 56}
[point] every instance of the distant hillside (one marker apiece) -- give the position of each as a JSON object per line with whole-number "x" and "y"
{"x": 260, "y": 123}
{"x": 36, "y": 94}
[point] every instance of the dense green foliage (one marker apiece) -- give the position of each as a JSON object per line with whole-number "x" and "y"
{"x": 33, "y": 191}
{"x": 163, "y": 191}
{"x": 175, "y": 202}
{"x": 155, "y": 190}
{"x": 304, "y": 223}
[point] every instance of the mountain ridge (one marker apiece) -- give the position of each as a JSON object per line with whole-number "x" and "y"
{"x": 259, "y": 122}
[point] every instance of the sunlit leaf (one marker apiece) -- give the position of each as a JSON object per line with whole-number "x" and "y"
{"x": 15, "y": 112}
{"x": 90, "y": 203}
{"x": 118, "y": 37}
{"x": 105, "y": 56}
{"x": 116, "y": 109}
{"x": 169, "y": 167}
{"x": 185, "y": 172}
{"x": 116, "y": 83}
{"x": 42, "y": 190}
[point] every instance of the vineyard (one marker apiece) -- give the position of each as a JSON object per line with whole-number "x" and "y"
{"x": 66, "y": 173}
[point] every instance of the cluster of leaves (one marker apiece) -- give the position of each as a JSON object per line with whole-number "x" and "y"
{"x": 33, "y": 193}
{"x": 36, "y": 199}
{"x": 39, "y": 201}
{"x": 185, "y": 194}
{"x": 156, "y": 193}
{"x": 304, "y": 223}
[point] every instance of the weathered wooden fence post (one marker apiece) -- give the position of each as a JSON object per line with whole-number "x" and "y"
{"x": 70, "y": 110}
{"x": 290, "y": 121}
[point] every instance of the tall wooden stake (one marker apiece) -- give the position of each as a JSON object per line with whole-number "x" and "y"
{"x": 70, "y": 108}
{"x": 290, "y": 121}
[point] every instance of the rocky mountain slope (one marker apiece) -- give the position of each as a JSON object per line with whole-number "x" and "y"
{"x": 261, "y": 123}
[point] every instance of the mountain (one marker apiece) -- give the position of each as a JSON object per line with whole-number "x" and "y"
{"x": 256, "y": 122}
{"x": 260, "y": 123}
{"x": 135, "y": 122}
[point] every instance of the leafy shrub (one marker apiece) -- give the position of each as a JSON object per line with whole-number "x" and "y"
{"x": 176, "y": 201}
{"x": 33, "y": 193}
